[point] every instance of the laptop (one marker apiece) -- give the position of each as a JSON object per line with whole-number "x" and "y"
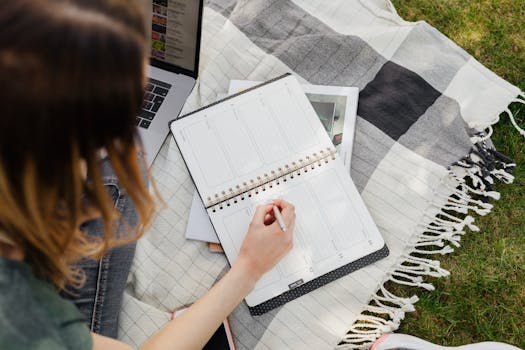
{"x": 175, "y": 34}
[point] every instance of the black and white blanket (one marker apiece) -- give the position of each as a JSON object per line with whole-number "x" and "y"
{"x": 422, "y": 161}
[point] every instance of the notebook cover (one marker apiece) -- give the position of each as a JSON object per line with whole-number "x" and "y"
{"x": 318, "y": 282}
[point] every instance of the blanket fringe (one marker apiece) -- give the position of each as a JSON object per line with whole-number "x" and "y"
{"x": 485, "y": 135}
{"x": 469, "y": 179}
{"x": 519, "y": 99}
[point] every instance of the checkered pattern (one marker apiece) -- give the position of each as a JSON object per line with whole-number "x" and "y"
{"x": 421, "y": 100}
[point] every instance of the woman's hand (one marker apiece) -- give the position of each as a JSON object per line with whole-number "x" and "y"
{"x": 265, "y": 242}
{"x": 264, "y": 245}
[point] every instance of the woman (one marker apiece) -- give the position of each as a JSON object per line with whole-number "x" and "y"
{"x": 72, "y": 186}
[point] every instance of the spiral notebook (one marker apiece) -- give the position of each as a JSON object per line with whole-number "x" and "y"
{"x": 264, "y": 143}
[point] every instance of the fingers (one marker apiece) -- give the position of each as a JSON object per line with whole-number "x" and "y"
{"x": 269, "y": 219}
{"x": 264, "y": 214}
{"x": 260, "y": 213}
{"x": 287, "y": 210}
{"x": 284, "y": 205}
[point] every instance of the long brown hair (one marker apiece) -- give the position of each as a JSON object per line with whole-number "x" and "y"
{"x": 72, "y": 76}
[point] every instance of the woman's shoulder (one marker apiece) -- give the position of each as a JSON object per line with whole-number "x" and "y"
{"x": 33, "y": 315}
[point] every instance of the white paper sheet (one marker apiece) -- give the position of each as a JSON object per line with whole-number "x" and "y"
{"x": 199, "y": 226}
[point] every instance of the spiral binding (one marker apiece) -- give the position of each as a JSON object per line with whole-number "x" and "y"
{"x": 252, "y": 187}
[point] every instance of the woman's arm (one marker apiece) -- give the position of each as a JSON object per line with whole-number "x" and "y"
{"x": 101, "y": 342}
{"x": 264, "y": 245}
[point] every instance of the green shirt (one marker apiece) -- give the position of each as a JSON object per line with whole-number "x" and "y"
{"x": 34, "y": 316}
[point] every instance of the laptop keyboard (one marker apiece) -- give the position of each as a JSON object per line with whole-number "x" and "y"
{"x": 155, "y": 93}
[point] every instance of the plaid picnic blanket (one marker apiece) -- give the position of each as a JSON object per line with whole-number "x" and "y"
{"x": 422, "y": 161}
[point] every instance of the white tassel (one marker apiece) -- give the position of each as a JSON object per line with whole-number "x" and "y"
{"x": 414, "y": 281}
{"x": 469, "y": 221}
{"x": 492, "y": 194}
{"x": 511, "y": 116}
{"x": 434, "y": 264}
{"x": 463, "y": 209}
{"x": 502, "y": 175}
{"x": 439, "y": 223}
{"x": 479, "y": 207}
{"x": 434, "y": 242}
{"x": 434, "y": 232}
{"x": 405, "y": 301}
{"x": 359, "y": 340}
{"x": 476, "y": 181}
{"x": 455, "y": 239}
{"x": 458, "y": 209}
{"x": 372, "y": 326}
{"x": 396, "y": 312}
{"x": 430, "y": 239}
{"x": 474, "y": 173}
{"x": 447, "y": 249}
{"x": 460, "y": 224}
{"x": 425, "y": 267}
{"x": 369, "y": 327}
{"x": 366, "y": 330}
{"x": 451, "y": 217}
{"x": 461, "y": 195}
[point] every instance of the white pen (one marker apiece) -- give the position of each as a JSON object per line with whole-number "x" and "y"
{"x": 279, "y": 218}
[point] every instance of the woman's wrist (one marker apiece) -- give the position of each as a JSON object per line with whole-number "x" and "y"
{"x": 246, "y": 272}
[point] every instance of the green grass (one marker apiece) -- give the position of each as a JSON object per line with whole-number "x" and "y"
{"x": 484, "y": 298}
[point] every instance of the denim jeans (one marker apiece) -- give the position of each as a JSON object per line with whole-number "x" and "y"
{"x": 100, "y": 299}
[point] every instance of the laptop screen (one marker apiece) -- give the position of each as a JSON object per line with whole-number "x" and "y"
{"x": 175, "y": 33}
